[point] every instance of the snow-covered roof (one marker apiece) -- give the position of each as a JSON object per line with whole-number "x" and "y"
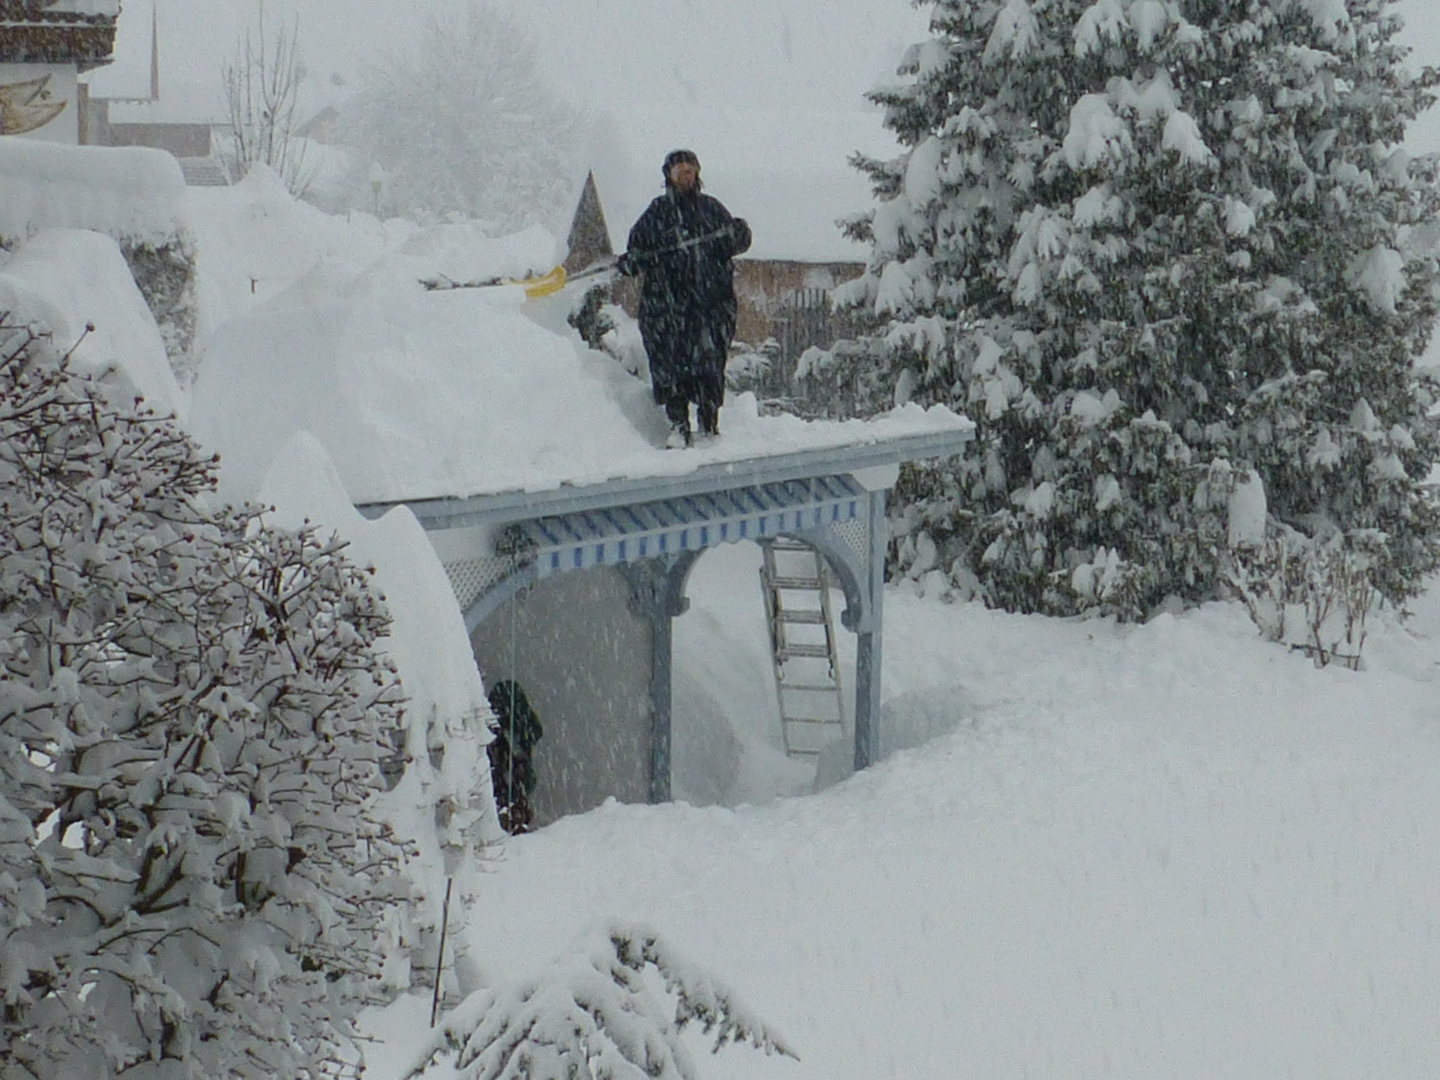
{"x": 420, "y": 395}
{"x": 180, "y": 108}
{"x": 451, "y": 394}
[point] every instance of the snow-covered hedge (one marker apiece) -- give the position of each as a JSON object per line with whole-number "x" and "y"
{"x": 131, "y": 194}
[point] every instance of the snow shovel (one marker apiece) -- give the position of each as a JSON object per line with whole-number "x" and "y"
{"x": 554, "y": 280}
{"x": 543, "y": 285}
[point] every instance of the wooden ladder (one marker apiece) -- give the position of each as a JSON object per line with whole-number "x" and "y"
{"x": 802, "y": 644}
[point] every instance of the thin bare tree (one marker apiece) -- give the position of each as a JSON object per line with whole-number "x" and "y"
{"x": 262, "y": 89}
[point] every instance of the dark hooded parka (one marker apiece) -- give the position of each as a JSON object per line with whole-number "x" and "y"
{"x": 682, "y": 245}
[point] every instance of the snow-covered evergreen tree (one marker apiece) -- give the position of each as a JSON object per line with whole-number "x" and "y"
{"x": 1150, "y": 246}
{"x": 598, "y": 1013}
{"x": 192, "y": 716}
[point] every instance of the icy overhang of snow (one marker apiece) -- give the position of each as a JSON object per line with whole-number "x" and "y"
{"x": 417, "y": 394}
{"x": 129, "y": 193}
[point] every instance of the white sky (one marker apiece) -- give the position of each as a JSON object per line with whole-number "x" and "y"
{"x": 733, "y": 46}
{"x": 1422, "y": 33}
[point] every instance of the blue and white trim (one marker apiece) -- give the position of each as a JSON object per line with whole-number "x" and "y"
{"x": 649, "y": 530}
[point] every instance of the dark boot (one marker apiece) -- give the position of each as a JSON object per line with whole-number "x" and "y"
{"x": 677, "y": 411}
{"x": 708, "y": 413}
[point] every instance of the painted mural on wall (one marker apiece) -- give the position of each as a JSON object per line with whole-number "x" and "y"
{"x": 27, "y": 106}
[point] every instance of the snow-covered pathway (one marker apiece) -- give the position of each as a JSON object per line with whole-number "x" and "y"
{"x": 1144, "y": 851}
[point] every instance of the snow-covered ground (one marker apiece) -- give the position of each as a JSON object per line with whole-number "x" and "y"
{"x": 1136, "y": 851}
{"x": 1167, "y": 850}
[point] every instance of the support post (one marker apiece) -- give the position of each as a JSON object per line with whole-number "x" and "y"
{"x": 657, "y": 593}
{"x": 868, "y": 642}
{"x": 662, "y": 638}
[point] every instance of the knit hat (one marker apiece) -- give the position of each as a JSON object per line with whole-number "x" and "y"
{"x": 675, "y": 157}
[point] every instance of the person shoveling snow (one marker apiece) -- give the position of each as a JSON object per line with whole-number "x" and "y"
{"x": 682, "y": 247}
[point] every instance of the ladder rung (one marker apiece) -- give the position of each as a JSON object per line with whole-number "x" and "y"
{"x": 809, "y": 688}
{"x": 807, "y": 652}
{"x": 787, "y": 582}
{"x": 805, "y": 615}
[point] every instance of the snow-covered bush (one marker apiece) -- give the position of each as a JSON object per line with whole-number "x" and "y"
{"x": 165, "y": 275}
{"x": 133, "y": 196}
{"x": 596, "y": 1014}
{"x": 1133, "y": 239}
{"x": 192, "y": 719}
{"x": 1313, "y": 597}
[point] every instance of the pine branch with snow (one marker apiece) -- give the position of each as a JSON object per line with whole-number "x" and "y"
{"x": 595, "y": 1013}
{"x": 1154, "y": 238}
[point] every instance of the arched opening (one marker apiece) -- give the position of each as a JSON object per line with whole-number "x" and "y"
{"x": 728, "y": 747}
{"x": 582, "y": 653}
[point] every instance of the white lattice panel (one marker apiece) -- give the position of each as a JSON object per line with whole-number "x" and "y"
{"x": 472, "y": 578}
{"x": 856, "y": 534}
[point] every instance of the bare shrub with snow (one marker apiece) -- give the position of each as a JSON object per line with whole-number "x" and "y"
{"x": 1313, "y": 597}
{"x": 1137, "y": 240}
{"x": 262, "y": 93}
{"x": 193, "y": 713}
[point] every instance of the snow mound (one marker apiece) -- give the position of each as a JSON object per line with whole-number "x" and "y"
{"x": 68, "y": 278}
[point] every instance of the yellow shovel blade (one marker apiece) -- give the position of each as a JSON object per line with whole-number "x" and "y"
{"x": 545, "y": 284}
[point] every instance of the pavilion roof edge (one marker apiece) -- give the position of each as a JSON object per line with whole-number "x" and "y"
{"x": 503, "y": 508}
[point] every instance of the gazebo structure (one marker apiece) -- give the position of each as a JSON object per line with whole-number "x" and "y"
{"x": 606, "y": 565}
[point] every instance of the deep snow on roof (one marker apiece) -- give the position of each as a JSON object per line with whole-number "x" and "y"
{"x": 417, "y": 394}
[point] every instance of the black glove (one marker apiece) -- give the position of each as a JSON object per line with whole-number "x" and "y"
{"x": 624, "y": 266}
{"x": 740, "y": 235}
